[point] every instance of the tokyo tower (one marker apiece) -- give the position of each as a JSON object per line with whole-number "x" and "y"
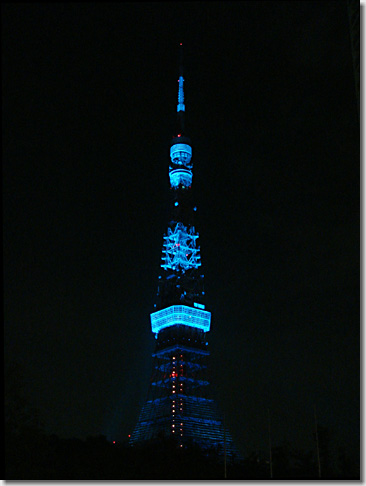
{"x": 179, "y": 405}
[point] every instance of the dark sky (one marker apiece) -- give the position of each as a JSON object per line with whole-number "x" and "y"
{"x": 89, "y": 102}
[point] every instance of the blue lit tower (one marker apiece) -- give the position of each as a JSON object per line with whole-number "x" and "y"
{"x": 178, "y": 403}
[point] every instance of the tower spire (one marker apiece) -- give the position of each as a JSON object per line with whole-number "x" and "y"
{"x": 178, "y": 405}
{"x": 181, "y": 106}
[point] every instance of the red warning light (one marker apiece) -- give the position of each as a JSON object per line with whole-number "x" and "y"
{"x": 179, "y": 134}
{"x": 129, "y": 435}
{"x": 114, "y": 442}
{"x": 180, "y": 44}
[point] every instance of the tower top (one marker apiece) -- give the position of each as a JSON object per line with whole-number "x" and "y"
{"x": 181, "y": 106}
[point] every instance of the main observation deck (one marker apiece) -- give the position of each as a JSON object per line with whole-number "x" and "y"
{"x": 181, "y": 315}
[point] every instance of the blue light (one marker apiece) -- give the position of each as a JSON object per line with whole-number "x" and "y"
{"x": 199, "y": 306}
{"x": 177, "y": 348}
{"x": 176, "y": 203}
{"x": 180, "y": 176}
{"x": 179, "y": 249}
{"x": 181, "y": 154}
{"x": 195, "y": 208}
{"x": 180, "y": 315}
{"x": 180, "y": 106}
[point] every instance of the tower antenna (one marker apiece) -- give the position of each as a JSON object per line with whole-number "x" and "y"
{"x": 181, "y": 106}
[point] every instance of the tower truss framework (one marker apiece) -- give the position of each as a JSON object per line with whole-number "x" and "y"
{"x": 179, "y": 404}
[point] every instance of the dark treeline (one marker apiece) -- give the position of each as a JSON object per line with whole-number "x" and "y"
{"x": 35, "y": 455}
{"x": 31, "y": 454}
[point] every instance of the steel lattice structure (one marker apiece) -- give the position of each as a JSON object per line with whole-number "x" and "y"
{"x": 179, "y": 403}
{"x": 179, "y": 249}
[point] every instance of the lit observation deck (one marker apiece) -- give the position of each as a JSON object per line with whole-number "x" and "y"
{"x": 181, "y": 315}
{"x": 181, "y": 153}
{"x": 180, "y": 172}
{"x": 180, "y": 176}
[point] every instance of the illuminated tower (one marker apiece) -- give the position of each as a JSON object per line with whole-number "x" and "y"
{"x": 179, "y": 404}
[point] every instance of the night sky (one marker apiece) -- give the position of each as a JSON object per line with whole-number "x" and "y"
{"x": 89, "y": 109}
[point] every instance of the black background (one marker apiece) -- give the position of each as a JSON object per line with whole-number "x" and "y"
{"x": 89, "y": 103}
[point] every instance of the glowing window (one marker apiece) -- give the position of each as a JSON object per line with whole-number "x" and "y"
{"x": 180, "y": 315}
